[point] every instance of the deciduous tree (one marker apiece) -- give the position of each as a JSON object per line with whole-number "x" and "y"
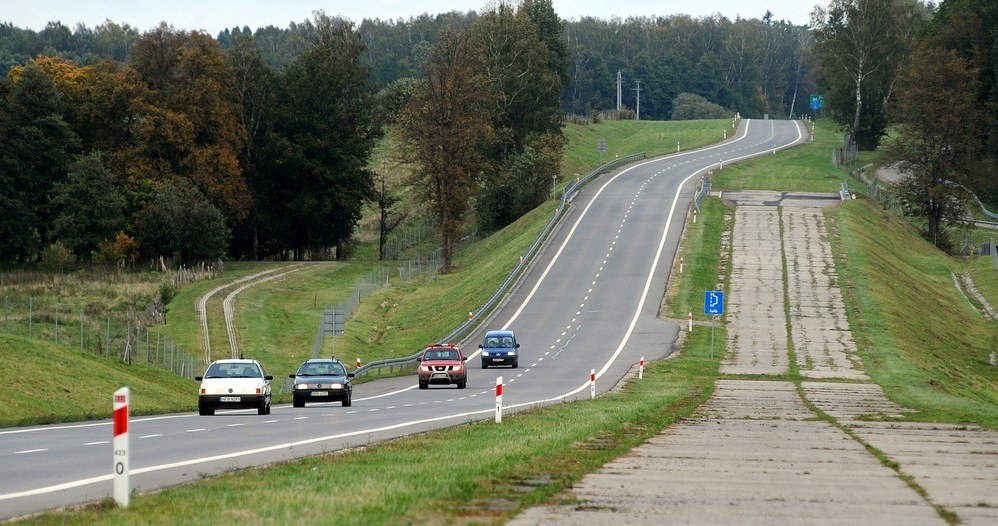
{"x": 861, "y": 45}
{"x": 939, "y": 136}
{"x": 445, "y": 127}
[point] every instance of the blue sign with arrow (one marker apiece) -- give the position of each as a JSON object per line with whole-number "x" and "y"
{"x": 713, "y": 302}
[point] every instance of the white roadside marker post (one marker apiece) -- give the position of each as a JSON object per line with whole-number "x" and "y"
{"x": 641, "y": 368}
{"x": 499, "y": 400}
{"x": 120, "y": 447}
{"x": 592, "y": 384}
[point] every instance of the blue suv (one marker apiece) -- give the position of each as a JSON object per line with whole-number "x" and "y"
{"x": 500, "y": 348}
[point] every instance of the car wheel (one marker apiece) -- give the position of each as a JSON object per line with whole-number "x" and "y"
{"x": 264, "y": 408}
{"x": 484, "y": 365}
{"x": 347, "y": 402}
{"x": 298, "y": 403}
{"x": 516, "y": 364}
{"x": 205, "y": 410}
{"x": 424, "y": 385}
{"x": 462, "y": 384}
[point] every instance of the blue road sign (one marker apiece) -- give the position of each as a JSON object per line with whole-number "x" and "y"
{"x": 817, "y": 101}
{"x": 713, "y": 302}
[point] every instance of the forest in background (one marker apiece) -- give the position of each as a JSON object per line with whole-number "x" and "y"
{"x": 755, "y": 66}
{"x": 256, "y": 143}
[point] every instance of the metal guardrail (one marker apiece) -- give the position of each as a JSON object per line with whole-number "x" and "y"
{"x": 703, "y": 190}
{"x": 466, "y": 328}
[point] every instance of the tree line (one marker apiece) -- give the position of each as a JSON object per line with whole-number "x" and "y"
{"x": 755, "y": 66}
{"x": 186, "y": 151}
{"x": 194, "y": 151}
{"x": 116, "y": 144}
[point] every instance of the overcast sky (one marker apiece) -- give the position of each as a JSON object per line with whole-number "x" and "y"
{"x": 215, "y": 15}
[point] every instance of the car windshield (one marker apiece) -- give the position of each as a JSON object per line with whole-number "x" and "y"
{"x": 233, "y": 370}
{"x": 322, "y": 369}
{"x": 441, "y": 355}
{"x": 492, "y": 342}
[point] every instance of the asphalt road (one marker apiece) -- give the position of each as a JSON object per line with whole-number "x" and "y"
{"x": 589, "y": 302}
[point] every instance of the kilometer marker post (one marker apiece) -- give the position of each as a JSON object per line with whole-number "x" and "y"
{"x": 499, "y": 400}
{"x": 120, "y": 447}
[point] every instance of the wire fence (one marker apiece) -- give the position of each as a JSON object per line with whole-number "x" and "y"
{"x": 122, "y": 336}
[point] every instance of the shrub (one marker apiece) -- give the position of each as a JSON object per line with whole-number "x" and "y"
{"x": 56, "y": 257}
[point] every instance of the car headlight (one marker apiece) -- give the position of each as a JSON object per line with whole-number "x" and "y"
{"x": 424, "y": 368}
{"x": 511, "y": 353}
{"x": 484, "y": 352}
{"x": 456, "y": 368}
{"x": 336, "y": 386}
{"x": 301, "y": 386}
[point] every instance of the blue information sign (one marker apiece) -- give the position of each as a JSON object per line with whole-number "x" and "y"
{"x": 713, "y": 302}
{"x": 817, "y": 101}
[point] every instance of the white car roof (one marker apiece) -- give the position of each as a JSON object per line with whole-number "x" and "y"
{"x": 234, "y": 360}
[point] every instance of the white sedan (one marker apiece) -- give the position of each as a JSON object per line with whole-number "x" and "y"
{"x": 234, "y": 384}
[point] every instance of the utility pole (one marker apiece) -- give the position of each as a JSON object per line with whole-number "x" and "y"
{"x": 618, "y": 90}
{"x": 638, "y": 90}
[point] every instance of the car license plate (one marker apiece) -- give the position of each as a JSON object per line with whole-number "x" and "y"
{"x": 497, "y": 359}
{"x": 320, "y": 393}
{"x": 440, "y": 375}
{"x": 230, "y": 399}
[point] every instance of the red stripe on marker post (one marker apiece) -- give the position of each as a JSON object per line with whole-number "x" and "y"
{"x": 120, "y": 417}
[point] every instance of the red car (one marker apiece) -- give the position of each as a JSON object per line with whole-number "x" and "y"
{"x": 442, "y": 364}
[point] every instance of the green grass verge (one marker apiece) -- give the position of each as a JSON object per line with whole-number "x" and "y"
{"x": 699, "y": 250}
{"x": 628, "y": 137}
{"x": 931, "y": 360}
{"x": 48, "y": 383}
{"x": 490, "y": 470}
{"x": 804, "y": 168}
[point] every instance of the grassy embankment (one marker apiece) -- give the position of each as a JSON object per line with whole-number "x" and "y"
{"x": 492, "y": 469}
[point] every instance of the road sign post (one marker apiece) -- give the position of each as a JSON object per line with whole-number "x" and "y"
{"x": 713, "y": 305}
{"x": 120, "y": 447}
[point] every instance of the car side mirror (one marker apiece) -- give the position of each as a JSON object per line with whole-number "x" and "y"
{"x": 268, "y": 377}
{"x": 480, "y": 346}
{"x": 517, "y": 346}
{"x": 198, "y": 378}
{"x": 350, "y": 375}
{"x": 291, "y": 376}
{"x": 464, "y": 358}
